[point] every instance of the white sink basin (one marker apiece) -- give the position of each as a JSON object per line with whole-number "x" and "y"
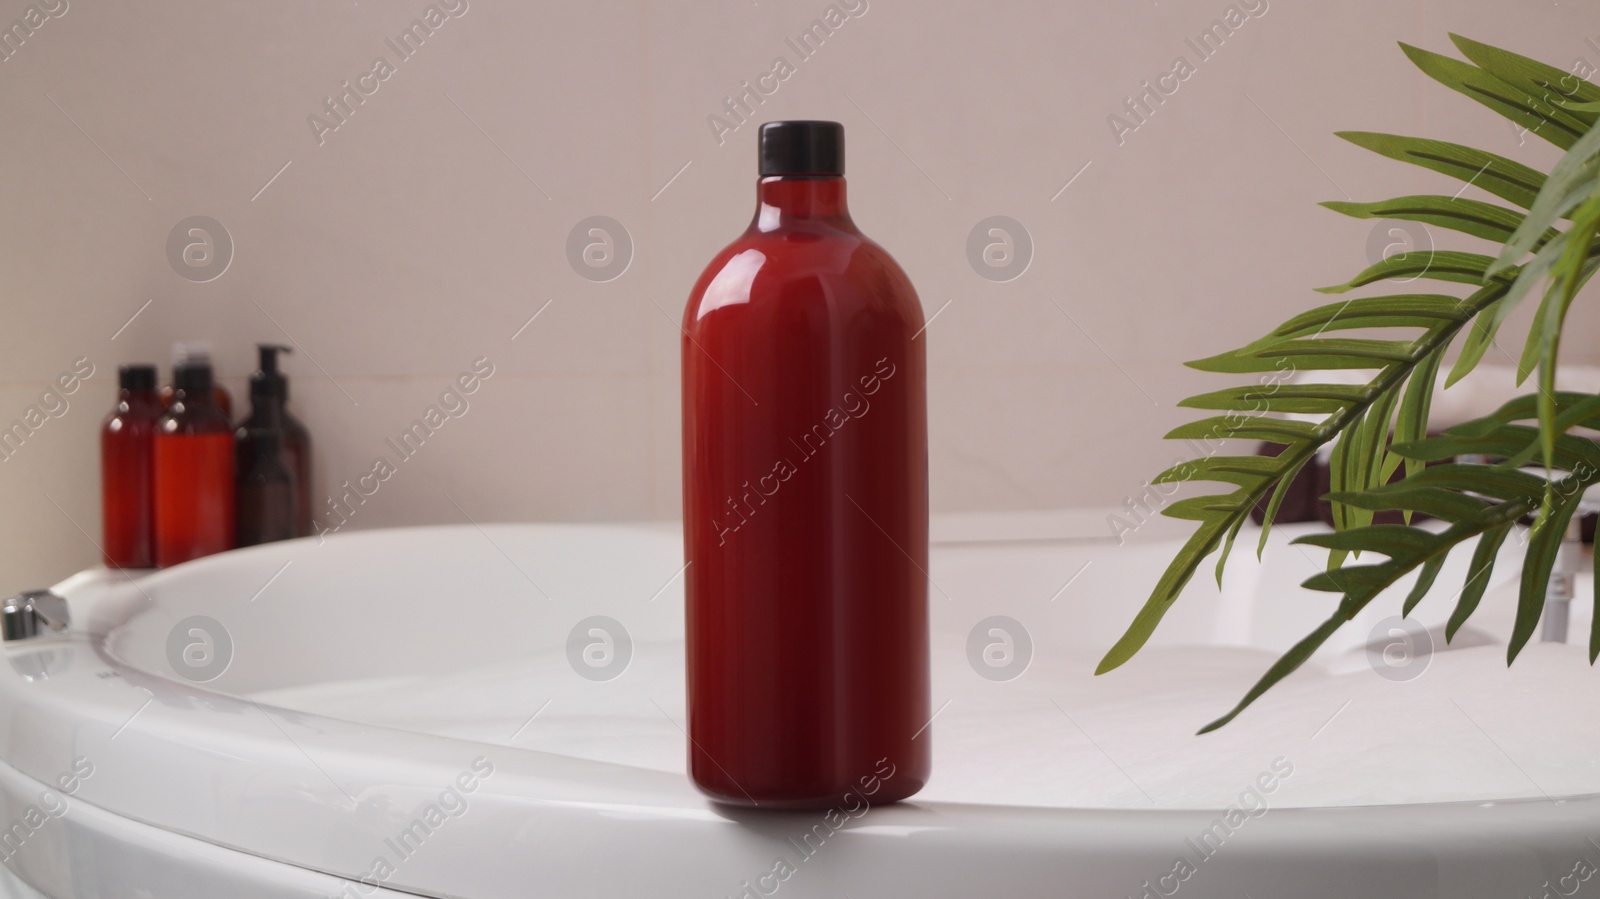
{"x": 405, "y": 707}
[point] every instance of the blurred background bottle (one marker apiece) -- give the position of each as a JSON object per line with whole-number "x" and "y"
{"x": 127, "y": 491}
{"x": 269, "y": 398}
{"x": 194, "y": 470}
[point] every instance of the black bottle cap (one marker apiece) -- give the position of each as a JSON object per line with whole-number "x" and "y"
{"x": 267, "y": 381}
{"x": 193, "y": 378}
{"x": 136, "y": 377}
{"x": 802, "y": 148}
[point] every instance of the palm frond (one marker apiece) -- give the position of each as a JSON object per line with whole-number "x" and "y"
{"x": 1376, "y": 429}
{"x": 1440, "y": 317}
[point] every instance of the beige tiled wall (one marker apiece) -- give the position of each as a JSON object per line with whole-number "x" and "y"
{"x": 426, "y": 230}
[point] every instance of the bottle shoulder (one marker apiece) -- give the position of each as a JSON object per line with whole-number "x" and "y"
{"x": 132, "y": 420}
{"x": 266, "y": 417}
{"x": 841, "y": 266}
{"x": 193, "y": 419}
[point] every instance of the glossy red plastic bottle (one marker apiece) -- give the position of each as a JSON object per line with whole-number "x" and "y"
{"x": 194, "y": 464}
{"x": 805, "y": 501}
{"x": 127, "y": 474}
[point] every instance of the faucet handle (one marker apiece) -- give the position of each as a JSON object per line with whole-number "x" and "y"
{"x": 28, "y": 613}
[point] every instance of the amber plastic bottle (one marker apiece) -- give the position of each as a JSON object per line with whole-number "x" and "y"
{"x": 194, "y": 468}
{"x": 805, "y": 500}
{"x": 127, "y": 472}
{"x": 269, "y": 398}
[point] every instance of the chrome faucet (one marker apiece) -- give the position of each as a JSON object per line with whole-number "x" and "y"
{"x": 1558, "y": 592}
{"x": 31, "y": 613}
{"x": 1563, "y": 581}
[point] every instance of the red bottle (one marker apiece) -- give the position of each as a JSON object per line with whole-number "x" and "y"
{"x": 805, "y": 500}
{"x": 127, "y": 493}
{"x": 194, "y": 457}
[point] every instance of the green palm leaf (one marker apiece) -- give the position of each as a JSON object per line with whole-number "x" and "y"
{"x": 1505, "y": 178}
{"x": 1531, "y": 111}
{"x": 1380, "y": 428}
{"x": 1467, "y": 216}
{"x": 1563, "y": 88}
{"x": 1221, "y": 514}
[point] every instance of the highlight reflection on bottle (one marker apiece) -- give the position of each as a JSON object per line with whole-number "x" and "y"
{"x": 805, "y": 499}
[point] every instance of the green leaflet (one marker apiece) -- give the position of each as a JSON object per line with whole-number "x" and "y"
{"x": 1430, "y": 573}
{"x": 1393, "y": 540}
{"x": 1281, "y": 669}
{"x": 1531, "y": 112}
{"x": 1374, "y": 434}
{"x": 1543, "y": 543}
{"x": 1467, "y": 216}
{"x": 1271, "y": 512}
{"x": 1555, "y": 203}
{"x": 1299, "y": 398}
{"x": 1478, "y": 574}
{"x": 1341, "y": 475}
{"x": 1531, "y": 273}
{"x": 1440, "y": 265}
{"x": 1416, "y": 310}
{"x": 1571, "y": 181}
{"x": 1559, "y": 87}
{"x": 1241, "y": 470}
{"x": 1543, "y": 336}
{"x": 1505, "y": 178}
{"x": 1411, "y": 423}
{"x": 1489, "y": 480}
{"x": 1509, "y": 442}
{"x": 1365, "y": 461}
{"x": 1200, "y": 544}
{"x": 1227, "y": 546}
{"x": 1223, "y": 427}
{"x": 1481, "y": 337}
{"x": 1573, "y": 409}
{"x": 1439, "y": 502}
{"x": 1201, "y": 508}
{"x": 1340, "y": 352}
{"x": 1570, "y": 273}
{"x": 1594, "y": 625}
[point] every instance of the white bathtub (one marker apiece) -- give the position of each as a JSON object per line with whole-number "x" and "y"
{"x": 372, "y": 674}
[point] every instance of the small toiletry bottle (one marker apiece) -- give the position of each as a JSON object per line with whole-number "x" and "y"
{"x": 127, "y": 471}
{"x": 194, "y": 459}
{"x": 265, "y": 491}
{"x": 269, "y": 397}
{"x": 805, "y": 465}
{"x": 196, "y": 353}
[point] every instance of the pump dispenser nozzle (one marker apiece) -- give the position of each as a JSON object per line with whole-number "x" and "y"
{"x": 267, "y": 380}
